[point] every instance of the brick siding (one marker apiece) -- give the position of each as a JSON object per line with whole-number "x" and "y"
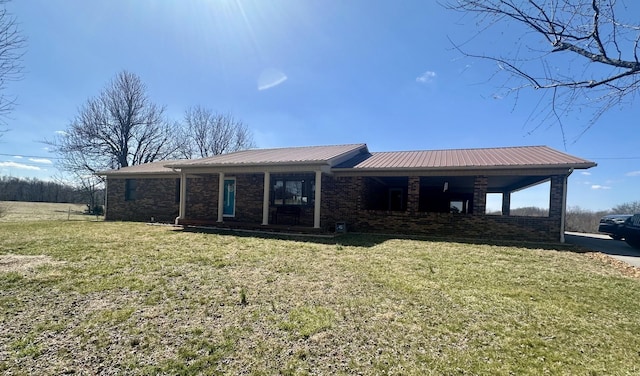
{"x": 155, "y": 199}
{"x": 344, "y": 199}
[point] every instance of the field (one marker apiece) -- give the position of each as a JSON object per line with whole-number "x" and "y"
{"x": 123, "y": 298}
{"x": 11, "y": 211}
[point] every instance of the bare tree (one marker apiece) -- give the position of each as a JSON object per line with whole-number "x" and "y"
{"x": 207, "y": 133}
{"x": 632, "y": 207}
{"x": 12, "y": 44}
{"x": 121, "y": 127}
{"x": 591, "y": 58}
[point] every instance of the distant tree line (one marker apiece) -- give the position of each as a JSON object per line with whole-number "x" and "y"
{"x": 578, "y": 219}
{"x": 35, "y": 190}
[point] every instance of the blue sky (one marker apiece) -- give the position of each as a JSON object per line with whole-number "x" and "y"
{"x": 304, "y": 73}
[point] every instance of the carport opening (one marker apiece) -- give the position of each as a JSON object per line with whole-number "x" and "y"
{"x": 532, "y": 201}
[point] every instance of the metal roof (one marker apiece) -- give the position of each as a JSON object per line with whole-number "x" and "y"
{"x": 356, "y": 157}
{"x": 143, "y": 169}
{"x": 488, "y": 158}
{"x": 283, "y": 156}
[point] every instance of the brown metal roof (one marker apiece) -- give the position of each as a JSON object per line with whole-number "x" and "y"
{"x": 293, "y": 155}
{"x": 362, "y": 160}
{"x": 507, "y": 157}
{"x": 143, "y": 169}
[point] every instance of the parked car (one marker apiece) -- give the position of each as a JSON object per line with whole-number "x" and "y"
{"x": 631, "y": 231}
{"x": 612, "y": 225}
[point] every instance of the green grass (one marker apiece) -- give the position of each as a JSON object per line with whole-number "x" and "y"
{"x": 18, "y": 211}
{"x": 125, "y": 298}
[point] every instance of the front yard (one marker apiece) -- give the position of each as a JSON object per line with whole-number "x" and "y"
{"x": 125, "y": 298}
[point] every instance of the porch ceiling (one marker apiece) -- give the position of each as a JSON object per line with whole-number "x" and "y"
{"x": 496, "y": 184}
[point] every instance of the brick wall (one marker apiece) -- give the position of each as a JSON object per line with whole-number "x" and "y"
{"x": 155, "y": 198}
{"x": 343, "y": 197}
{"x": 202, "y": 197}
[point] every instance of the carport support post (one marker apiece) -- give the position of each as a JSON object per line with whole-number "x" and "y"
{"x": 558, "y": 202}
{"x": 265, "y": 198}
{"x": 318, "y": 197}
{"x": 480, "y": 195}
{"x": 506, "y": 203}
{"x": 220, "y": 197}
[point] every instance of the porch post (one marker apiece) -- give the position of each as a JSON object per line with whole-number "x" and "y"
{"x": 480, "y": 195}
{"x": 220, "y": 196}
{"x": 318, "y": 197}
{"x": 564, "y": 208}
{"x": 182, "y": 212}
{"x": 413, "y": 194}
{"x": 265, "y": 198}
{"x": 506, "y": 203}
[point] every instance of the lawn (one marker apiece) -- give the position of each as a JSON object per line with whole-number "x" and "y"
{"x": 17, "y": 211}
{"x": 125, "y": 298}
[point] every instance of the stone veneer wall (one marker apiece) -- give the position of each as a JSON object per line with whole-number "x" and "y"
{"x": 155, "y": 198}
{"x": 343, "y": 199}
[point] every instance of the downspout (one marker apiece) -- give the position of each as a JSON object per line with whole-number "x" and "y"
{"x": 182, "y": 209}
{"x": 563, "y": 213}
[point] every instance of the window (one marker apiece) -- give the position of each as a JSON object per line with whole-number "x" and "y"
{"x": 293, "y": 191}
{"x": 130, "y": 189}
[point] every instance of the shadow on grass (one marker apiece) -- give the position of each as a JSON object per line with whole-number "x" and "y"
{"x": 367, "y": 240}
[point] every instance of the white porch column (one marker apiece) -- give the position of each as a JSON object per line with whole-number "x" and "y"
{"x": 318, "y": 196}
{"x": 265, "y": 198}
{"x": 220, "y": 197}
{"x": 182, "y": 211}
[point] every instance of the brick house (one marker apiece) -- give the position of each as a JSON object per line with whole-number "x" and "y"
{"x": 429, "y": 192}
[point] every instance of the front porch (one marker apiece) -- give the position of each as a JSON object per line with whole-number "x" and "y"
{"x": 251, "y": 227}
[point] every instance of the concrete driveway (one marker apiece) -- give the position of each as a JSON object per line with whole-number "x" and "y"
{"x": 618, "y": 249}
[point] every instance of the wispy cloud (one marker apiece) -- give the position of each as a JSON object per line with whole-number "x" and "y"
{"x": 62, "y": 133}
{"x": 269, "y": 78}
{"x": 587, "y": 173}
{"x": 41, "y": 160}
{"x": 633, "y": 173}
{"x": 427, "y": 77}
{"x": 20, "y": 166}
{"x": 17, "y": 156}
{"x": 598, "y": 186}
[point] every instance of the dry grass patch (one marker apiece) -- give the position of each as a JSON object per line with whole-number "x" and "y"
{"x": 16, "y": 211}
{"x": 135, "y": 299}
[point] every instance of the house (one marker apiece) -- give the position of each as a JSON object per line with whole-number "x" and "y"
{"x": 428, "y": 192}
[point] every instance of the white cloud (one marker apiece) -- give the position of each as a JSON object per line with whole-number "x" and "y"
{"x": 17, "y": 156}
{"x": 427, "y": 77}
{"x": 62, "y": 133}
{"x": 20, "y": 166}
{"x": 585, "y": 173}
{"x": 633, "y": 173}
{"x": 269, "y": 78}
{"x": 598, "y": 186}
{"x": 41, "y": 160}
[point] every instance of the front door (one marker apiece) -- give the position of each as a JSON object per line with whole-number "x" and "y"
{"x": 229, "y": 207}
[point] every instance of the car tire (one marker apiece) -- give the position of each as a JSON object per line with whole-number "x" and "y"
{"x": 633, "y": 241}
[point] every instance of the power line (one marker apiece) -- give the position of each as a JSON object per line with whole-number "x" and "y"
{"x": 614, "y": 158}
